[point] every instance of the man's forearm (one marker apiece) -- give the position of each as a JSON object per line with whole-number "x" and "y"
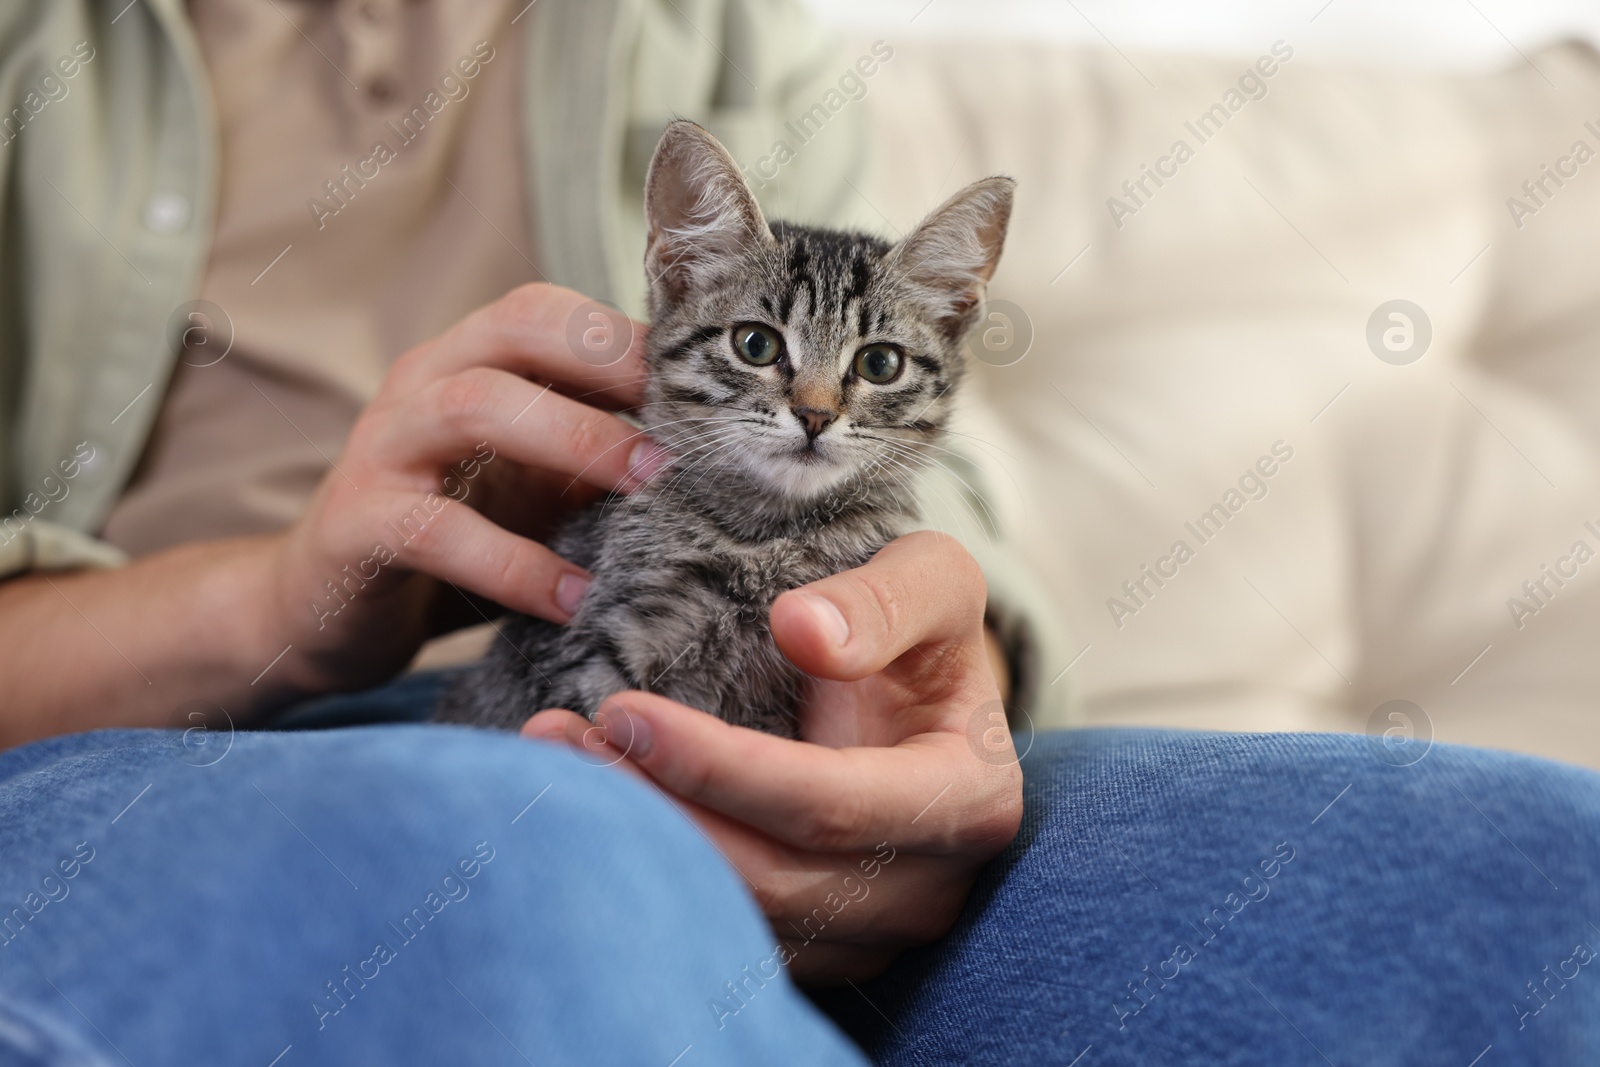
{"x": 143, "y": 645}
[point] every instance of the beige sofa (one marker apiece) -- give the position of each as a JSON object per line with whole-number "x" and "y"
{"x": 1185, "y": 329}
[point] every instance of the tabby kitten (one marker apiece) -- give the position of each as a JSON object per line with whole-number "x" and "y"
{"x": 801, "y": 376}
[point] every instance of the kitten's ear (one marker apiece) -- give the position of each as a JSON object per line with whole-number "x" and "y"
{"x": 700, "y": 215}
{"x": 951, "y": 255}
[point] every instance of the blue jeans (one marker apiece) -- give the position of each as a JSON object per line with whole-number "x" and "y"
{"x": 423, "y": 894}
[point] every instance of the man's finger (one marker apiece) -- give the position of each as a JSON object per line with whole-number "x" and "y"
{"x": 435, "y": 535}
{"x": 540, "y": 331}
{"x": 818, "y": 963}
{"x": 883, "y": 897}
{"x": 563, "y": 727}
{"x": 930, "y": 793}
{"x": 819, "y": 896}
{"x": 529, "y": 424}
{"x": 921, "y": 589}
{"x": 553, "y": 724}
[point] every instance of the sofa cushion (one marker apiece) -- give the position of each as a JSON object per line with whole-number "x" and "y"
{"x": 1256, "y": 505}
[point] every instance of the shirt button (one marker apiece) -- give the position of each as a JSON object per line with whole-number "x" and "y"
{"x": 166, "y": 212}
{"x": 90, "y": 466}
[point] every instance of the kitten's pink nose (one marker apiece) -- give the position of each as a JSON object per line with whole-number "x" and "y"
{"x": 815, "y": 420}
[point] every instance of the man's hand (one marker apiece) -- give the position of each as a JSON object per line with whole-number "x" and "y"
{"x": 477, "y": 445}
{"x": 865, "y": 837}
{"x": 402, "y": 488}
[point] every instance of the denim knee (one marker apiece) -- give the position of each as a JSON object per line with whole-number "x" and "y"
{"x": 413, "y": 784}
{"x": 386, "y": 894}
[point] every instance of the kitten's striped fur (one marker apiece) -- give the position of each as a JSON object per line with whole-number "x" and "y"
{"x": 755, "y": 503}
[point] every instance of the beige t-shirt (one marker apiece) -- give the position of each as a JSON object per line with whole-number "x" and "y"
{"x": 371, "y": 195}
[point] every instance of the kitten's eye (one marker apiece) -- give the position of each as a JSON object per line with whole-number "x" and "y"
{"x": 879, "y": 364}
{"x": 757, "y": 344}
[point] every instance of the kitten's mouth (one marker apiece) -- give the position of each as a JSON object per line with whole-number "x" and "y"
{"x": 799, "y": 471}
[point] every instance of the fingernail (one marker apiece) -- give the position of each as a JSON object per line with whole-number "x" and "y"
{"x": 544, "y": 730}
{"x": 829, "y": 617}
{"x": 628, "y": 734}
{"x": 569, "y": 592}
{"x": 646, "y": 461}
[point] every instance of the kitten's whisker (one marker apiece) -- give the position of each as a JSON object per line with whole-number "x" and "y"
{"x": 978, "y": 520}
{"x": 713, "y": 439}
{"x": 958, "y": 519}
{"x": 722, "y": 420}
{"x": 626, "y": 440}
{"x": 698, "y": 435}
{"x": 708, "y": 439}
{"x": 688, "y": 470}
{"x": 1007, "y": 467}
{"x": 978, "y": 440}
{"x": 640, "y": 380}
{"x": 901, "y": 448}
{"x": 877, "y": 460}
{"x": 709, "y": 469}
